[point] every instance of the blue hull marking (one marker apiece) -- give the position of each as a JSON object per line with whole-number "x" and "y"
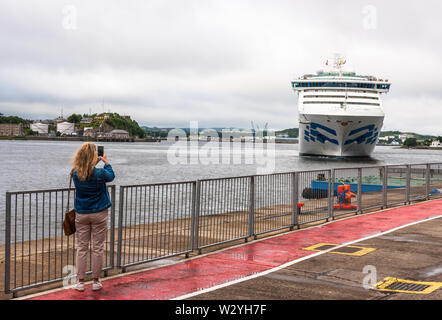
{"x": 313, "y": 135}
{"x": 369, "y": 137}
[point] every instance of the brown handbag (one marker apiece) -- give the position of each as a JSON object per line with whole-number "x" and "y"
{"x": 69, "y": 216}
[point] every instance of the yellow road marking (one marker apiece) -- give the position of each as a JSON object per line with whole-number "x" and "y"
{"x": 361, "y": 252}
{"x": 383, "y": 285}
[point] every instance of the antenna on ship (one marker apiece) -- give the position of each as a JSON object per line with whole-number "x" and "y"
{"x": 339, "y": 61}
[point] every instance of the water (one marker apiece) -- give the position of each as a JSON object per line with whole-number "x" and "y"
{"x": 31, "y": 165}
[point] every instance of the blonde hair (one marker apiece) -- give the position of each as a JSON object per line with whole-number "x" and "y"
{"x": 84, "y": 160}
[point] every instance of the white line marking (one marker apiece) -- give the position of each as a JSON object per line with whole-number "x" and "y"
{"x": 287, "y": 264}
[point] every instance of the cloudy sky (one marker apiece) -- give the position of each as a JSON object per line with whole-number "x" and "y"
{"x": 222, "y": 63}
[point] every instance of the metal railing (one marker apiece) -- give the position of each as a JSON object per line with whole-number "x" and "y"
{"x": 158, "y": 221}
{"x": 36, "y": 250}
{"x": 155, "y": 221}
{"x": 222, "y": 212}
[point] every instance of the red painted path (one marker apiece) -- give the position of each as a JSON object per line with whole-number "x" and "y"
{"x": 192, "y": 275}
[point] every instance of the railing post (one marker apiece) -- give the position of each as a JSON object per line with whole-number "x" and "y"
{"x": 427, "y": 182}
{"x": 8, "y": 244}
{"x": 112, "y": 235}
{"x": 331, "y": 187}
{"x": 408, "y": 185}
{"x": 192, "y": 217}
{"x": 384, "y": 186}
{"x": 295, "y": 217}
{"x": 120, "y": 227}
{"x": 359, "y": 193}
{"x": 252, "y": 207}
{"x": 197, "y": 214}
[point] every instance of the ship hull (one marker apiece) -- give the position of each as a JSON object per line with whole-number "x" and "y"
{"x": 338, "y": 136}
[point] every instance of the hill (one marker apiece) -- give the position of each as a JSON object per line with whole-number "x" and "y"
{"x": 107, "y": 122}
{"x": 292, "y": 133}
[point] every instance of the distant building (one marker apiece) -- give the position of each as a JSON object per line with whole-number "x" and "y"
{"x": 47, "y": 121}
{"x": 66, "y": 128}
{"x": 11, "y": 130}
{"x": 436, "y": 144}
{"x": 60, "y": 119}
{"x": 118, "y": 134}
{"x": 40, "y": 128}
{"x": 104, "y": 116}
{"x": 89, "y": 132}
{"x": 86, "y": 120}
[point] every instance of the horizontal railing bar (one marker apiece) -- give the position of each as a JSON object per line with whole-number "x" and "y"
{"x": 45, "y": 190}
{"x": 157, "y": 184}
{"x": 273, "y": 230}
{"x": 222, "y": 242}
{"x": 154, "y": 259}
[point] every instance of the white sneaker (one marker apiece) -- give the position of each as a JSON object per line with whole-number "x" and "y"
{"x": 97, "y": 286}
{"x": 79, "y": 286}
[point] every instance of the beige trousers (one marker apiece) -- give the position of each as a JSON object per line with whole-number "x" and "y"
{"x": 87, "y": 225}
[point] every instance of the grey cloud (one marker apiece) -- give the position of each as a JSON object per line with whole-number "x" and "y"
{"x": 219, "y": 62}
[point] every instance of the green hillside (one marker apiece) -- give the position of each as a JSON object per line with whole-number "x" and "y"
{"x": 292, "y": 133}
{"x": 108, "y": 122}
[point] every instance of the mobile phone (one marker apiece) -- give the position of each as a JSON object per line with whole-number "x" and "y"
{"x": 100, "y": 150}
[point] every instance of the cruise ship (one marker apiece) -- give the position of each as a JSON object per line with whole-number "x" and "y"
{"x": 340, "y": 113}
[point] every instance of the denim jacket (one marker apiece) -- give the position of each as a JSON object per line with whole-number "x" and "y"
{"x": 91, "y": 195}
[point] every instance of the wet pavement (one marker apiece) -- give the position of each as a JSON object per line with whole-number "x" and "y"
{"x": 407, "y": 242}
{"x": 412, "y": 253}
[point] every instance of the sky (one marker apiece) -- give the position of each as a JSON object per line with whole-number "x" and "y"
{"x": 222, "y": 63}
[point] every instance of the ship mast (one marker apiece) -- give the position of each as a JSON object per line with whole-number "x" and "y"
{"x": 338, "y": 62}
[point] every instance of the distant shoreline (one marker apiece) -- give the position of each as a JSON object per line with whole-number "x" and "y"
{"x": 27, "y": 138}
{"x": 78, "y": 139}
{"x": 422, "y": 147}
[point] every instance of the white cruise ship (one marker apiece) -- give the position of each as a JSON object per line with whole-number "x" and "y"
{"x": 340, "y": 113}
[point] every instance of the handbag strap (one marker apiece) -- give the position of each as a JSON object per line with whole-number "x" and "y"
{"x": 69, "y": 190}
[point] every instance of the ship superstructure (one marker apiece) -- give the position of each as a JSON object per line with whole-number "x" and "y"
{"x": 340, "y": 113}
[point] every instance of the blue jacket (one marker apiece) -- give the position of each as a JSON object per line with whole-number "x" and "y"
{"x": 91, "y": 195}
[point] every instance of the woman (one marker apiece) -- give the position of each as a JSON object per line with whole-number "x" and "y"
{"x": 91, "y": 207}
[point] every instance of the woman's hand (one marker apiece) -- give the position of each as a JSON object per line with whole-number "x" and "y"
{"x": 103, "y": 158}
